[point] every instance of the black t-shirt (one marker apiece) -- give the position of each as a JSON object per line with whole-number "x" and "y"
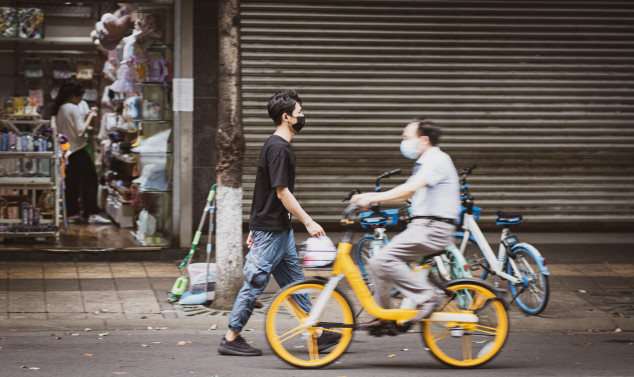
{"x": 275, "y": 168}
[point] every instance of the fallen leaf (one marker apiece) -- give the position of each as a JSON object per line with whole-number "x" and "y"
{"x": 156, "y": 342}
{"x": 392, "y": 355}
{"x": 87, "y": 329}
{"x": 150, "y": 328}
{"x": 404, "y": 349}
{"x": 74, "y": 334}
{"x": 161, "y": 328}
{"x": 618, "y": 329}
{"x": 88, "y": 355}
{"x": 181, "y": 343}
{"x": 144, "y": 345}
{"x": 103, "y": 334}
{"x": 582, "y": 291}
{"x": 34, "y": 368}
{"x": 214, "y": 326}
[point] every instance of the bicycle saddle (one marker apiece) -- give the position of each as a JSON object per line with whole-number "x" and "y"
{"x": 507, "y": 218}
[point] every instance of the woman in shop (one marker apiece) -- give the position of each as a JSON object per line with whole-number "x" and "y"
{"x": 81, "y": 175}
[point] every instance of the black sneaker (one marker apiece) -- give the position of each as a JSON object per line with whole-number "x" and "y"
{"x": 327, "y": 340}
{"x": 238, "y": 347}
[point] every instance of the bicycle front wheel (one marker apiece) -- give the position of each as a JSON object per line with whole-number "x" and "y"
{"x": 467, "y": 344}
{"x": 297, "y": 345}
{"x": 534, "y": 297}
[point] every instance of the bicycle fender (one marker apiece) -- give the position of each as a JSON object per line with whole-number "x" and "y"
{"x": 535, "y": 253}
{"x": 460, "y": 260}
{"x": 500, "y": 293}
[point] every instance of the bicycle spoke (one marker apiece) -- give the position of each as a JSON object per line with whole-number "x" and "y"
{"x": 438, "y": 337}
{"x": 291, "y": 334}
{"x": 481, "y": 329}
{"x": 466, "y": 347}
{"x": 313, "y": 351}
{"x": 293, "y": 308}
{"x": 478, "y": 302}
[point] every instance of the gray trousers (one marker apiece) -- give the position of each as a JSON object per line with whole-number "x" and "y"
{"x": 389, "y": 268}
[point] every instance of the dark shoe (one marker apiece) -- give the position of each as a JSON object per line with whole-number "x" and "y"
{"x": 378, "y": 327}
{"x": 427, "y": 308}
{"x": 77, "y": 220}
{"x": 327, "y": 340}
{"x": 238, "y": 347}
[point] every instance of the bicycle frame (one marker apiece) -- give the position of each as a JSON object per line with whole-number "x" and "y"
{"x": 496, "y": 264}
{"x": 344, "y": 267}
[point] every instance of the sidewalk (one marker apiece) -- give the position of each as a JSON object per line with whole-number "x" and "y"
{"x": 585, "y": 295}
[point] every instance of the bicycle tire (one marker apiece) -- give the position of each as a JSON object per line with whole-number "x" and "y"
{"x": 474, "y": 255}
{"x": 298, "y": 347}
{"x": 534, "y": 299}
{"x": 455, "y": 343}
{"x": 364, "y": 253}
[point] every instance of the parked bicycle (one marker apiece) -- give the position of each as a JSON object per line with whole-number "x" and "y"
{"x": 519, "y": 263}
{"x": 449, "y": 265}
{"x": 468, "y": 330}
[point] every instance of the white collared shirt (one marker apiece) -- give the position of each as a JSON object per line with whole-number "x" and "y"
{"x": 441, "y": 196}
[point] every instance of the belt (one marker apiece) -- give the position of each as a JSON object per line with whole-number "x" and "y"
{"x": 435, "y": 218}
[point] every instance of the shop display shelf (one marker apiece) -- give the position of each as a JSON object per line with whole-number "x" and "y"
{"x": 49, "y": 154}
{"x": 27, "y": 182}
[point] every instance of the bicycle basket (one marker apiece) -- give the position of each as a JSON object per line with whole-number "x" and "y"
{"x": 370, "y": 219}
{"x": 319, "y": 253}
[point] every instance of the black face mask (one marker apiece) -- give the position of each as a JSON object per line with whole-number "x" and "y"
{"x": 301, "y": 120}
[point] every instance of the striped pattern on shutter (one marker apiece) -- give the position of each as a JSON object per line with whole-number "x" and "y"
{"x": 539, "y": 94}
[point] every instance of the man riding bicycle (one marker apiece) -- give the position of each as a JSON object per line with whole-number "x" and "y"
{"x": 435, "y": 206}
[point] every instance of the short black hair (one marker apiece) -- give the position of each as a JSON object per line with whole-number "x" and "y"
{"x": 282, "y": 103}
{"x": 428, "y": 128}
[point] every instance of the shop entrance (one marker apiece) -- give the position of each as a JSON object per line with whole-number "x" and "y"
{"x": 86, "y": 125}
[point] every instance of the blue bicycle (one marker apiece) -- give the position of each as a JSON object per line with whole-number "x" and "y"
{"x": 450, "y": 265}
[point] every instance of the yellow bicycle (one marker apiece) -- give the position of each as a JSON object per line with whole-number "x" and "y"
{"x": 469, "y": 329}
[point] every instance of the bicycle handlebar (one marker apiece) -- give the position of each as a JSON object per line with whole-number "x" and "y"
{"x": 387, "y": 174}
{"x": 350, "y": 194}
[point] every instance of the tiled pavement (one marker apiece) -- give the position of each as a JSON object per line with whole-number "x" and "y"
{"x": 583, "y": 295}
{"x": 86, "y": 290}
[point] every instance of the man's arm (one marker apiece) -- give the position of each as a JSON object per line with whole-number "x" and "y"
{"x": 398, "y": 194}
{"x": 292, "y": 205}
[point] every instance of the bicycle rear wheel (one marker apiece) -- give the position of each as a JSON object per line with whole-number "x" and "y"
{"x": 474, "y": 256}
{"x": 534, "y": 298}
{"x": 298, "y": 346}
{"x": 465, "y": 344}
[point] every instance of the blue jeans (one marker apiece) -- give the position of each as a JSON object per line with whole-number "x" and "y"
{"x": 273, "y": 253}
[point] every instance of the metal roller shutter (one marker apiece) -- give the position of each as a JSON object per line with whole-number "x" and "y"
{"x": 538, "y": 94}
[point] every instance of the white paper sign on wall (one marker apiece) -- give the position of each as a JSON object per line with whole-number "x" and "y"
{"x": 183, "y": 94}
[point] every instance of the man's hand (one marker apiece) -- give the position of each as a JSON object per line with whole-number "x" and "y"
{"x": 362, "y": 200}
{"x": 314, "y": 229}
{"x": 250, "y": 241}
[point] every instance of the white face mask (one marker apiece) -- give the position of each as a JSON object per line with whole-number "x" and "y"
{"x": 409, "y": 149}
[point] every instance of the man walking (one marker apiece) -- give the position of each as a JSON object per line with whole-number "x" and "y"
{"x": 434, "y": 189}
{"x": 271, "y": 239}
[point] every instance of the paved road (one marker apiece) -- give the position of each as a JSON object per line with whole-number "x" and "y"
{"x": 155, "y": 353}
